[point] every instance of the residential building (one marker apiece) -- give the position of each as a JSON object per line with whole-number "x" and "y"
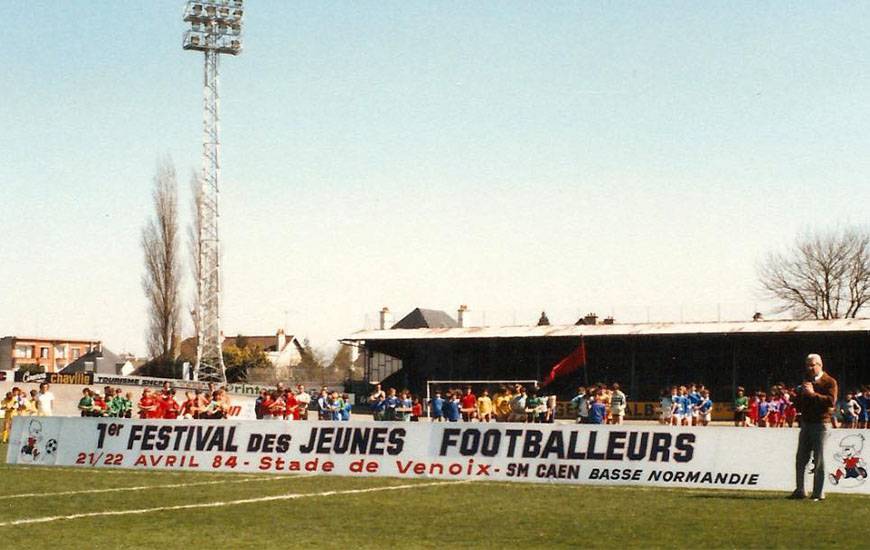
{"x": 48, "y": 354}
{"x": 101, "y": 361}
{"x": 283, "y": 351}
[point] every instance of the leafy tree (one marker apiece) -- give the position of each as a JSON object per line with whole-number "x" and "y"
{"x": 239, "y": 360}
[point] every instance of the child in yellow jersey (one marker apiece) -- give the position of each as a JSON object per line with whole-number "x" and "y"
{"x": 484, "y": 407}
{"x": 9, "y": 406}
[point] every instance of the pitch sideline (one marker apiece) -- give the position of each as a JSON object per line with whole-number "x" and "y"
{"x": 218, "y": 504}
{"x": 145, "y": 487}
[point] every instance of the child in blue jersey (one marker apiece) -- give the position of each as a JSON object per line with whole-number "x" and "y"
{"x": 406, "y": 404}
{"x": 597, "y": 409}
{"x": 694, "y": 400}
{"x": 451, "y": 408}
{"x": 863, "y": 400}
{"x": 344, "y": 411}
{"x": 685, "y": 407}
{"x": 436, "y": 408}
{"x": 676, "y": 406}
{"x": 390, "y": 404}
{"x": 763, "y": 409}
{"x": 379, "y": 407}
{"x": 705, "y": 408}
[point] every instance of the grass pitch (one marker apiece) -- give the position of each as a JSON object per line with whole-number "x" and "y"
{"x": 79, "y": 508}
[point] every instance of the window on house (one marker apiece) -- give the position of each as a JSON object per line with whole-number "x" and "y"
{"x": 43, "y": 353}
{"x": 60, "y": 352}
{"x": 76, "y": 353}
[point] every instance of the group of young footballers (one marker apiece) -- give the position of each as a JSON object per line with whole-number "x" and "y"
{"x": 213, "y": 403}
{"x": 776, "y": 409}
{"x": 686, "y": 406}
{"x": 19, "y": 403}
{"x": 286, "y": 404}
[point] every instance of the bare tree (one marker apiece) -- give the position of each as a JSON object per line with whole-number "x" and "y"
{"x": 822, "y": 276}
{"x": 162, "y": 278}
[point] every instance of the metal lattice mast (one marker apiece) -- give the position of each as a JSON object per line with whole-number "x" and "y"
{"x": 215, "y": 29}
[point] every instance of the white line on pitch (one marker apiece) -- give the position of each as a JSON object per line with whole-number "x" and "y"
{"x": 142, "y": 487}
{"x": 218, "y": 504}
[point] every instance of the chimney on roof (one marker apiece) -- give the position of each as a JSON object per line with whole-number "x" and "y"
{"x": 281, "y": 340}
{"x": 758, "y": 316}
{"x": 608, "y": 320}
{"x": 386, "y": 318}
{"x": 590, "y": 319}
{"x": 460, "y": 315}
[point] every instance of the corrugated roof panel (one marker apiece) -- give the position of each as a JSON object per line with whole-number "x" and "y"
{"x": 637, "y": 329}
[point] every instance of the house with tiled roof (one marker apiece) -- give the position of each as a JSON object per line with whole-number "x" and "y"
{"x": 283, "y": 350}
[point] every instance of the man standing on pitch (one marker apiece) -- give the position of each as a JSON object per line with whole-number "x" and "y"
{"x": 815, "y": 400}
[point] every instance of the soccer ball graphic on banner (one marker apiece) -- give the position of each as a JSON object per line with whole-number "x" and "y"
{"x": 851, "y": 470}
{"x": 35, "y": 448}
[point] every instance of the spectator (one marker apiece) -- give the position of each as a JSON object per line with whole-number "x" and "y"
{"x": 46, "y": 400}
{"x": 666, "y": 406}
{"x": 304, "y": 400}
{"x": 763, "y": 410}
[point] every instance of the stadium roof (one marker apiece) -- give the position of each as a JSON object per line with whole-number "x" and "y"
{"x": 625, "y": 329}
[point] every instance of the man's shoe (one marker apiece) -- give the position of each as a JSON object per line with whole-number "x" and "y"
{"x": 797, "y": 496}
{"x": 818, "y": 499}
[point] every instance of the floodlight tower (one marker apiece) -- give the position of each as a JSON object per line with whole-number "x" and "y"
{"x": 215, "y": 28}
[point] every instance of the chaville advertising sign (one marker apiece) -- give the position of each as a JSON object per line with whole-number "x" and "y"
{"x": 710, "y": 457}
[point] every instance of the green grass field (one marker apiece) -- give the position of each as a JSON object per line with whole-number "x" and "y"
{"x": 371, "y": 513}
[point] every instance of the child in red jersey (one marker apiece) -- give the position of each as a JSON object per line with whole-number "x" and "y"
{"x": 278, "y": 406}
{"x": 468, "y": 405}
{"x": 292, "y": 407}
{"x": 266, "y": 406}
{"x": 753, "y": 409}
{"x": 148, "y": 406}
{"x": 190, "y": 407}
{"x": 171, "y": 408}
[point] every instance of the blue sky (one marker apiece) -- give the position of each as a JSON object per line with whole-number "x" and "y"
{"x": 632, "y": 158}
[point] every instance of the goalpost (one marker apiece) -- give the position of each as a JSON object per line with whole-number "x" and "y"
{"x": 461, "y": 384}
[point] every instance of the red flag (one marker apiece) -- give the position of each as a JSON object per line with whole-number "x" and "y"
{"x": 569, "y": 364}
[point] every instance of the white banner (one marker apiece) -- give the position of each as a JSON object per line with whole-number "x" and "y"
{"x": 709, "y": 457}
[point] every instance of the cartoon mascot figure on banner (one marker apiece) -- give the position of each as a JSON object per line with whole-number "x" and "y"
{"x": 35, "y": 448}
{"x": 850, "y": 464}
